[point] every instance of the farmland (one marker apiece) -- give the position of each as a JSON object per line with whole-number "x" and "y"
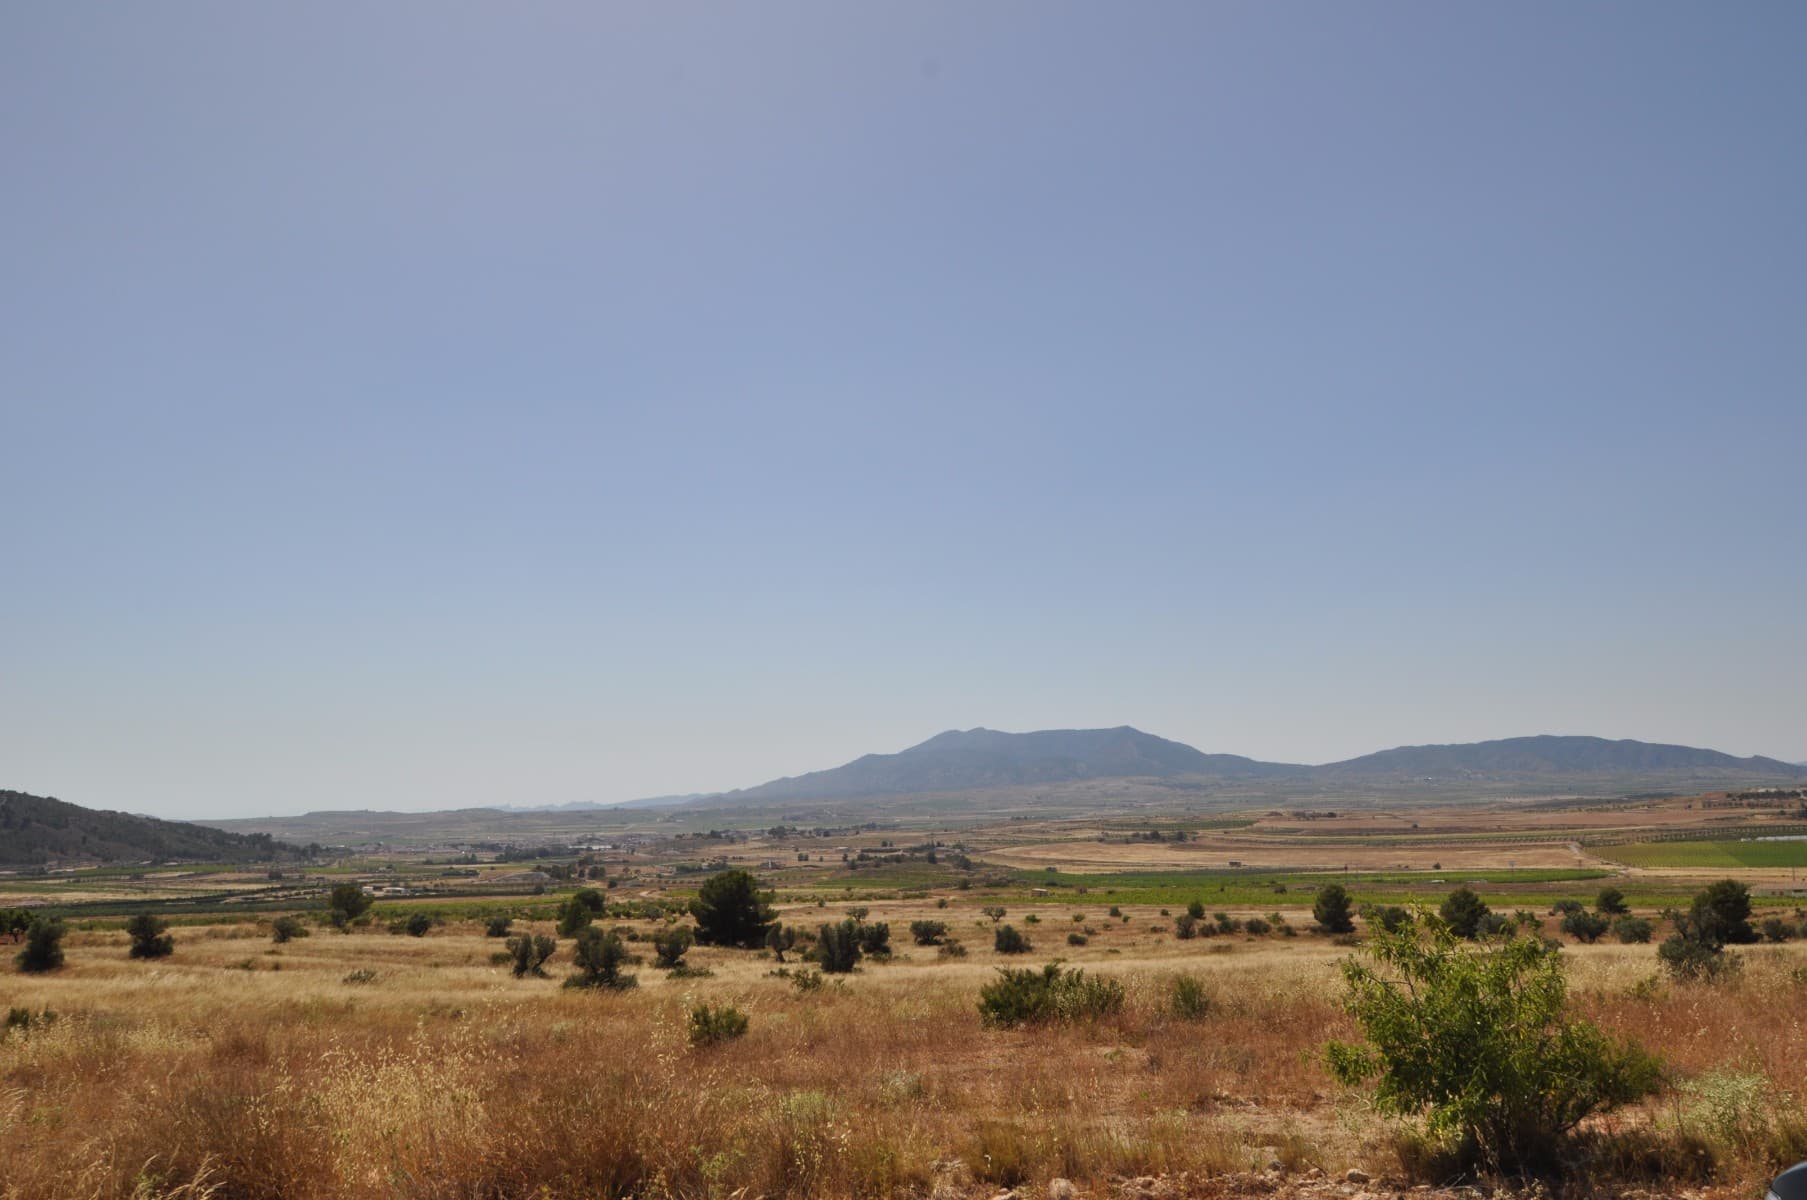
{"x": 373, "y": 1063}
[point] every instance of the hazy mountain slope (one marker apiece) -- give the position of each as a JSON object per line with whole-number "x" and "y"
{"x": 1551, "y": 755}
{"x": 962, "y": 760}
{"x": 37, "y": 829}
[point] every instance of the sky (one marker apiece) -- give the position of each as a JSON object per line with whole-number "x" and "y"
{"x": 425, "y": 405}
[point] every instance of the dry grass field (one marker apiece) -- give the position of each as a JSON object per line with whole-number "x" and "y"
{"x": 372, "y": 1065}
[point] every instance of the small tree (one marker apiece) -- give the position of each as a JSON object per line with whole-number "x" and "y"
{"x": 995, "y": 911}
{"x": 1333, "y": 910}
{"x": 1185, "y": 926}
{"x": 345, "y": 904}
{"x": 599, "y": 958}
{"x": 1006, "y": 940}
{"x": 1391, "y": 917}
{"x": 875, "y": 940}
{"x": 1632, "y": 930}
{"x": 838, "y": 947}
{"x": 498, "y": 926}
{"x": 1585, "y": 926}
{"x": 1196, "y": 910}
{"x": 1722, "y": 913}
{"x": 43, "y": 946}
{"x": 1480, "y": 1042}
{"x": 928, "y": 933}
{"x": 287, "y": 928}
{"x": 530, "y": 952}
{"x": 148, "y": 938}
{"x": 1611, "y": 903}
{"x": 780, "y": 938}
{"x": 417, "y": 924}
{"x": 730, "y": 910}
{"x": 670, "y": 946}
{"x": 1463, "y": 911}
{"x": 574, "y": 916}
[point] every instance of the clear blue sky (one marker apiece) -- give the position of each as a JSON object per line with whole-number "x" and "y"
{"x": 435, "y": 404}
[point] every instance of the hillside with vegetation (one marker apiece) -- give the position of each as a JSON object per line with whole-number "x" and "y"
{"x": 35, "y": 830}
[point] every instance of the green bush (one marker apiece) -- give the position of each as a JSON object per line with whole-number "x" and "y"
{"x": 1611, "y": 903}
{"x": 1480, "y": 1042}
{"x": 1006, "y": 939}
{"x": 1391, "y": 918}
{"x": 671, "y": 945}
{"x": 1695, "y": 952}
{"x": 1257, "y": 927}
{"x": 1585, "y": 926}
{"x": 951, "y": 949}
{"x": 148, "y": 937}
{"x": 1196, "y": 910}
{"x": 730, "y": 910}
{"x": 1775, "y": 929}
{"x": 1026, "y": 996}
{"x": 528, "y": 953}
{"x": 599, "y": 957}
{"x": 1188, "y": 998}
{"x": 838, "y": 947}
{"x": 1462, "y": 912}
{"x": 1632, "y": 930}
{"x": 286, "y": 929}
{"x": 345, "y": 904}
{"x": 498, "y": 926}
{"x": 875, "y": 940}
{"x": 43, "y": 946}
{"x": 711, "y": 1025}
{"x": 928, "y": 933}
{"x": 417, "y": 924}
{"x": 1185, "y": 926}
{"x": 1077, "y": 939}
{"x": 1333, "y": 910}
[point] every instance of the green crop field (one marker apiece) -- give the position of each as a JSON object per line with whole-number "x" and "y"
{"x": 1708, "y": 854}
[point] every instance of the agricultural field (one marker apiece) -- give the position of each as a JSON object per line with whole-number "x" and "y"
{"x": 412, "y": 1061}
{"x": 1778, "y": 855}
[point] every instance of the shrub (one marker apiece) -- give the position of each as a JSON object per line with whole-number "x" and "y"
{"x": 1188, "y": 998}
{"x": 1391, "y": 918}
{"x": 1722, "y": 913}
{"x": 1196, "y": 910}
{"x": 1256, "y": 927}
{"x": 1007, "y": 940}
{"x": 1026, "y": 996}
{"x": 951, "y": 949}
{"x": 1632, "y": 930}
{"x": 1226, "y": 923}
{"x": 730, "y": 910}
{"x": 148, "y": 937}
{"x": 1333, "y": 910}
{"x": 1563, "y": 908}
{"x": 43, "y": 946}
{"x": 838, "y": 947}
{"x": 1495, "y": 925}
{"x": 1585, "y": 926}
{"x": 711, "y": 1025}
{"x": 1462, "y": 912}
{"x": 529, "y": 952}
{"x": 417, "y": 924}
{"x": 994, "y": 911}
{"x": 780, "y": 938}
{"x": 1116, "y": 911}
{"x": 1185, "y": 926}
{"x": 1077, "y": 939}
{"x": 345, "y": 904}
{"x": 670, "y": 946}
{"x": 809, "y": 980}
{"x": 498, "y": 927}
{"x": 599, "y": 957}
{"x": 928, "y": 933}
{"x": 1479, "y": 1040}
{"x": 1775, "y": 929}
{"x": 875, "y": 940}
{"x": 1696, "y": 950}
{"x": 573, "y": 916}
{"x": 1611, "y": 902}
{"x": 286, "y": 929}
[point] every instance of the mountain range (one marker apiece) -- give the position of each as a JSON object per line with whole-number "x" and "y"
{"x": 976, "y": 759}
{"x": 40, "y": 829}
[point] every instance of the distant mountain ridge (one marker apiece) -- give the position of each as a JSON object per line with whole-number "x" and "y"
{"x": 41, "y": 829}
{"x": 975, "y": 759}
{"x": 1550, "y": 754}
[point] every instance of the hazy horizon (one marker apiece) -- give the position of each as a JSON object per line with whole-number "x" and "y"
{"x": 455, "y": 406}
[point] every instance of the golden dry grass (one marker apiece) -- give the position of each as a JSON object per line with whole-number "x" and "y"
{"x": 241, "y": 1069}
